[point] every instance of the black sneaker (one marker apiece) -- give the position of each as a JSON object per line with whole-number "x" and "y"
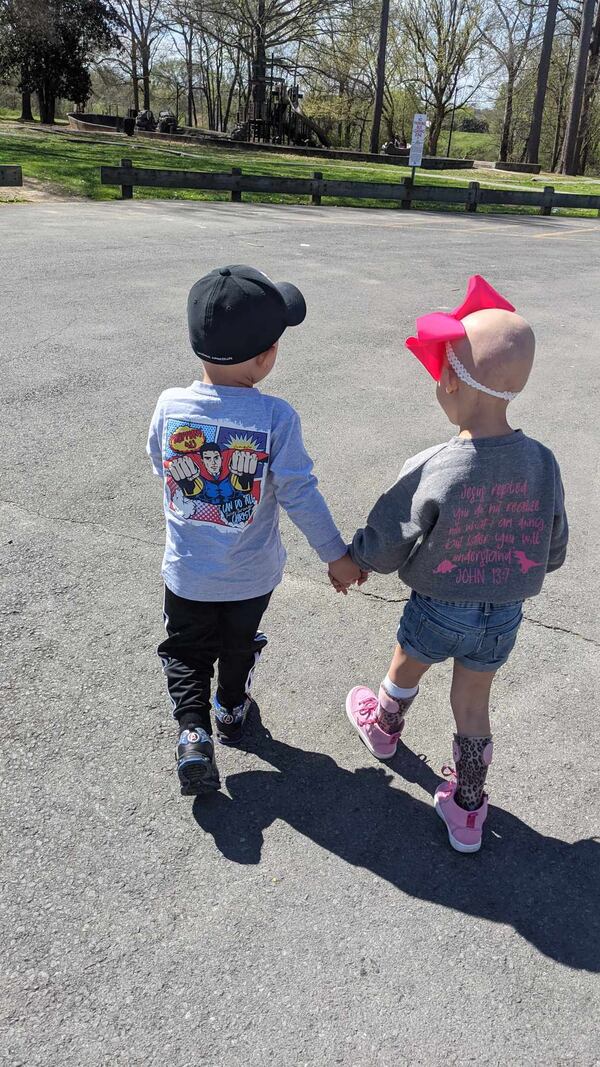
{"x": 196, "y": 765}
{"x": 231, "y": 722}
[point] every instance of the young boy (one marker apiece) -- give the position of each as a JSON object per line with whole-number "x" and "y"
{"x": 229, "y": 456}
{"x": 472, "y": 526}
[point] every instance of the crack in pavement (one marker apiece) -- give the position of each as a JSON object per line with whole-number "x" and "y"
{"x": 112, "y": 532}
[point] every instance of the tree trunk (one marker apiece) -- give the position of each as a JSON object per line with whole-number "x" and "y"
{"x": 189, "y": 64}
{"x": 26, "y": 112}
{"x": 361, "y": 136}
{"x": 146, "y": 76}
{"x": 435, "y": 129}
{"x": 591, "y": 83}
{"x": 135, "y": 77}
{"x": 47, "y": 103}
{"x": 229, "y": 104}
{"x": 568, "y": 159}
{"x": 380, "y": 83}
{"x": 560, "y": 111}
{"x": 507, "y": 120}
{"x": 535, "y": 130}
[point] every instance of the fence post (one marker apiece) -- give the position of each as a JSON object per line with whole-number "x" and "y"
{"x": 546, "y": 208}
{"x": 472, "y": 196}
{"x": 236, "y": 194}
{"x": 408, "y": 185}
{"x": 316, "y": 188}
{"x": 126, "y": 190}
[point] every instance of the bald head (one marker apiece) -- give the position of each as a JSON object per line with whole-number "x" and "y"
{"x": 498, "y": 349}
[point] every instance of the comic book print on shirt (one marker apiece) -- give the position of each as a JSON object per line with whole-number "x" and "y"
{"x": 214, "y": 473}
{"x": 496, "y": 530}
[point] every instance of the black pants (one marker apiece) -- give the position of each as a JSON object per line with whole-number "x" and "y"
{"x": 199, "y": 633}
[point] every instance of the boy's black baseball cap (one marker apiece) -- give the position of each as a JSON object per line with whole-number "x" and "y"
{"x": 235, "y": 313}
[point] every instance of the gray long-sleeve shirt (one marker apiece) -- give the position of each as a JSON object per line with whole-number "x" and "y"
{"x": 229, "y": 458}
{"x": 470, "y": 521}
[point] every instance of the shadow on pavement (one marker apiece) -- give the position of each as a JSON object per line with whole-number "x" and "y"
{"x": 545, "y": 888}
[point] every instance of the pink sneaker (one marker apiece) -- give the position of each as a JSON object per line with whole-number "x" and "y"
{"x": 464, "y": 827}
{"x": 363, "y": 708}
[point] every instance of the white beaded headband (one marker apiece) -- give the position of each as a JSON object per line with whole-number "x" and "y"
{"x": 465, "y": 377}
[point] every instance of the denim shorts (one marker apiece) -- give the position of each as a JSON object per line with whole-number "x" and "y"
{"x": 480, "y": 637}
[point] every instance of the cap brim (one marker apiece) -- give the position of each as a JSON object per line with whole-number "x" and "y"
{"x": 294, "y": 302}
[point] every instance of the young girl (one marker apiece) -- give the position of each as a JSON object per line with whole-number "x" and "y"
{"x": 472, "y": 526}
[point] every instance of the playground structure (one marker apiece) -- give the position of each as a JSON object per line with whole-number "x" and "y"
{"x": 274, "y": 116}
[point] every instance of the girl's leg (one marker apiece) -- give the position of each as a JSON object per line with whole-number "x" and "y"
{"x": 398, "y": 690}
{"x": 405, "y": 671}
{"x": 380, "y": 719}
{"x": 470, "y": 700}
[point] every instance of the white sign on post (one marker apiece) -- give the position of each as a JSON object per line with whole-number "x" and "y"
{"x": 419, "y": 130}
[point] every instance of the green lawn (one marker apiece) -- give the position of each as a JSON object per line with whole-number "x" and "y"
{"x": 70, "y": 164}
{"x": 469, "y": 145}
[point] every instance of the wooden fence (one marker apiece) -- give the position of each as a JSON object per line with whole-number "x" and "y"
{"x": 405, "y": 192}
{"x": 11, "y": 176}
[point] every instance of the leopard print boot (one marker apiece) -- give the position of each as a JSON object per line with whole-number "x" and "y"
{"x": 472, "y": 756}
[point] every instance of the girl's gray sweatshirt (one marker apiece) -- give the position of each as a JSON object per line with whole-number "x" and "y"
{"x": 471, "y": 520}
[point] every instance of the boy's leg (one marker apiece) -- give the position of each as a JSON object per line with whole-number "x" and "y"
{"x": 188, "y": 654}
{"x": 240, "y": 649}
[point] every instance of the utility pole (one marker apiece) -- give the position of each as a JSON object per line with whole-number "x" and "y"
{"x": 259, "y": 68}
{"x": 568, "y": 165}
{"x": 380, "y": 84}
{"x": 535, "y": 130}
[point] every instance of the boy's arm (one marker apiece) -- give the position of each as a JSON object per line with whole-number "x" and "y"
{"x": 154, "y": 445}
{"x": 296, "y": 490}
{"x": 560, "y": 528}
{"x": 392, "y": 531}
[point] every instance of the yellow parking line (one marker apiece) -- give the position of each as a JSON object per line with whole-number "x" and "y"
{"x": 566, "y": 233}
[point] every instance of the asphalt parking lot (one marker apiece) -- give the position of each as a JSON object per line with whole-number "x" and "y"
{"x": 312, "y": 913}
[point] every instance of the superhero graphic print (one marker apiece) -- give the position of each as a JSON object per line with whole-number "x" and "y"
{"x": 214, "y": 473}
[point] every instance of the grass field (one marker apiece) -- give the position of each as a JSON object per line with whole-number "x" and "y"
{"x": 469, "y": 145}
{"x": 68, "y": 163}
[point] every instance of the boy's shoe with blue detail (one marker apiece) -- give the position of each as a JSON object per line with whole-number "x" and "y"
{"x": 196, "y": 764}
{"x": 231, "y": 722}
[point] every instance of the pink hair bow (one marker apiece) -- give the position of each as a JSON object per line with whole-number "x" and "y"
{"x": 435, "y": 330}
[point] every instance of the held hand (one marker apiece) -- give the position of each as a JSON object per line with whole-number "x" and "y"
{"x": 243, "y": 462}
{"x": 344, "y": 572}
{"x": 364, "y": 577}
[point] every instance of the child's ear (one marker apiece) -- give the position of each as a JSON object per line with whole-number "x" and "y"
{"x": 448, "y": 379}
{"x": 270, "y": 353}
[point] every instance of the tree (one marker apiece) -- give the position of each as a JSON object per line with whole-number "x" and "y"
{"x": 142, "y": 25}
{"x": 442, "y": 37}
{"x": 50, "y": 44}
{"x": 182, "y": 24}
{"x": 568, "y": 163}
{"x": 591, "y": 85}
{"x": 557, "y": 91}
{"x": 337, "y": 66}
{"x": 508, "y": 36}
{"x": 263, "y": 27}
{"x": 535, "y": 130}
{"x": 380, "y": 83}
